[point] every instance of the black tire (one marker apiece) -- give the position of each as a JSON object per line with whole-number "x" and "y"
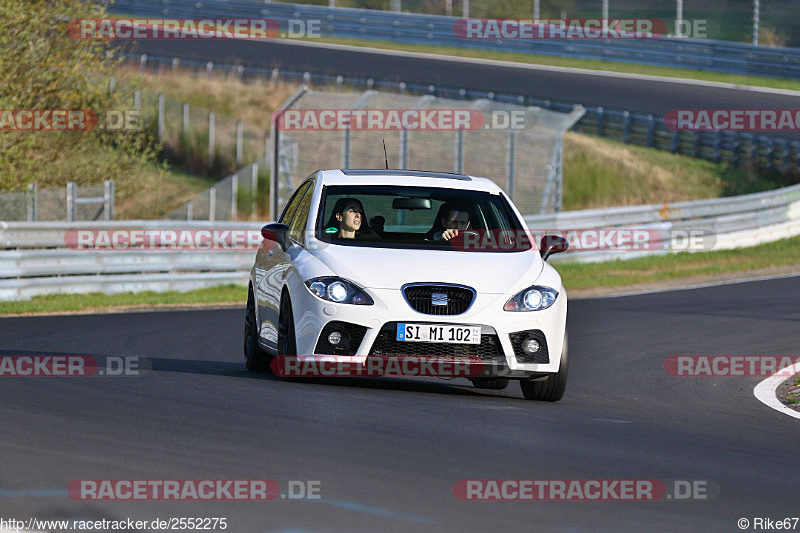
{"x": 287, "y": 342}
{"x": 490, "y": 383}
{"x": 551, "y": 389}
{"x": 255, "y": 359}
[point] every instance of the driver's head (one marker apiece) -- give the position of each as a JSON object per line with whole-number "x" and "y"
{"x": 455, "y": 219}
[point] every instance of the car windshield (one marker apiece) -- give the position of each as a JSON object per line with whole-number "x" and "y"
{"x": 420, "y": 218}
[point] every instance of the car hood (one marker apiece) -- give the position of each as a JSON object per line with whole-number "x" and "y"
{"x": 391, "y": 268}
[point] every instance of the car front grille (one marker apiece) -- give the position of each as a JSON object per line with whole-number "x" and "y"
{"x": 421, "y": 298}
{"x": 489, "y": 350}
{"x": 542, "y": 357}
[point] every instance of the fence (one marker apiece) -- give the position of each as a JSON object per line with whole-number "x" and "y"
{"x": 525, "y": 160}
{"x": 235, "y": 197}
{"x": 34, "y": 259}
{"x": 762, "y": 152}
{"x": 205, "y": 141}
{"x": 70, "y": 203}
{"x": 209, "y": 142}
{"x": 701, "y": 54}
{"x": 716, "y": 224}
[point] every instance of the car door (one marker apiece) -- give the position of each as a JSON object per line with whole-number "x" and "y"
{"x": 276, "y": 263}
{"x": 271, "y": 264}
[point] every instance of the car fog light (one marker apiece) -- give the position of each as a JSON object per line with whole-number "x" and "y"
{"x": 530, "y": 346}
{"x": 335, "y": 338}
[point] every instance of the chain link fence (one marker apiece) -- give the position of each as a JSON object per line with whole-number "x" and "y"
{"x": 203, "y": 140}
{"x": 518, "y": 147}
{"x": 241, "y": 196}
{"x": 71, "y": 203}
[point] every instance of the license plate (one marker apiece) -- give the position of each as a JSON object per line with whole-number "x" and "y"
{"x": 439, "y": 333}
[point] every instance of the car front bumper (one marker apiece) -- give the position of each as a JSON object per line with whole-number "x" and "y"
{"x": 391, "y": 307}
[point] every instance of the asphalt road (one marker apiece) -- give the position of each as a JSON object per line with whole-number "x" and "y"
{"x": 636, "y": 95}
{"x": 388, "y": 452}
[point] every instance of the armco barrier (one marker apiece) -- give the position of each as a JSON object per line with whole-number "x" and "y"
{"x": 34, "y": 259}
{"x": 724, "y": 223}
{"x": 702, "y": 54}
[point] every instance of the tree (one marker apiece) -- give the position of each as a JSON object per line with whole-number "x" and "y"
{"x": 44, "y": 68}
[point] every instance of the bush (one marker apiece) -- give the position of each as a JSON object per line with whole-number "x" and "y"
{"x": 44, "y": 68}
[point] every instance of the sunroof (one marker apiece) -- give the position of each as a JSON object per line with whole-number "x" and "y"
{"x": 411, "y": 173}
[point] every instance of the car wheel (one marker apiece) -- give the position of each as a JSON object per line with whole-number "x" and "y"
{"x": 255, "y": 359}
{"x": 287, "y": 344}
{"x": 551, "y": 389}
{"x": 490, "y": 383}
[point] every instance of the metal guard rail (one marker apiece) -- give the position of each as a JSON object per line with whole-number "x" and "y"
{"x": 704, "y": 54}
{"x": 34, "y": 258}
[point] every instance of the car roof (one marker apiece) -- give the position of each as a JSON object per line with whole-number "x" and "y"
{"x": 415, "y": 173}
{"x": 412, "y": 178}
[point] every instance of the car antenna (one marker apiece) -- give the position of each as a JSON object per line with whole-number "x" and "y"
{"x": 385, "y": 157}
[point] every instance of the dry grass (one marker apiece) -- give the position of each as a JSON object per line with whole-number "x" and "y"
{"x": 601, "y": 173}
{"x": 252, "y": 102}
{"x": 166, "y": 191}
{"x": 597, "y": 172}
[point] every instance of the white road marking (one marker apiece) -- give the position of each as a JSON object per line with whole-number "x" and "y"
{"x": 765, "y": 391}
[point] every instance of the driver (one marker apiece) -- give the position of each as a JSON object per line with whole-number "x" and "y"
{"x": 451, "y": 219}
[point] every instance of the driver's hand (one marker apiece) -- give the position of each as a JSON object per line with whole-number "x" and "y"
{"x": 449, "y": 234}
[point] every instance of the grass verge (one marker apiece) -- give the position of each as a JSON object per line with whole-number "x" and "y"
{"x": 601, "y": 173}
{"x": 227, "y": 95}
{"x": 784, "y": 252}
{"x": 576, "y": 276}
{"x": 99, "y": 302}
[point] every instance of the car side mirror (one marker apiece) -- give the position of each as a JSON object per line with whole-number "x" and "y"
{"x": 277, "y": 233}
{"x": 552, "y": 244}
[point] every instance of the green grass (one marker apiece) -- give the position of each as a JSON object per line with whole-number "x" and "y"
{"x": 574, "y": 275}
{"x": 675, "y": 266}
{"x": 601, "y": 173}
{"x": 611, "y": 66}
{"x": 57, "y": 303}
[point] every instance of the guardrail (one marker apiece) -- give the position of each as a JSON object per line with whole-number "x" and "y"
{"x": 701, "y": 225}
{"x": 34, "y": 258}
{"x": 702, "y": 54}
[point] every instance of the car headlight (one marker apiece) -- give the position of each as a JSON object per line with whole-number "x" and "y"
{"x": 533, "y": 298}
{"x": 338, "y": 290}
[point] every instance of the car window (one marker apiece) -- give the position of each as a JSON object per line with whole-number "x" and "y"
{"x": 410, "y": 217}
{"x": 291, "y": 206}
{"x": 298, "y": 225}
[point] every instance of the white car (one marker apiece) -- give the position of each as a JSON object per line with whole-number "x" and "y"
{"x": 375, "y": 263}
